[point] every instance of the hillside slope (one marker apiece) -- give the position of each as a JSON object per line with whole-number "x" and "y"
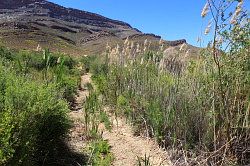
{"x": 27, "y": 23}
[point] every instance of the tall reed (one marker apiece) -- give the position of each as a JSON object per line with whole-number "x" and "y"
{"x": 196, "y": 105}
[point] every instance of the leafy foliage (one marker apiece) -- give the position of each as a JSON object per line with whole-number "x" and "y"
{"x": 33, "y": 111}
{"x": 101, "y": 154}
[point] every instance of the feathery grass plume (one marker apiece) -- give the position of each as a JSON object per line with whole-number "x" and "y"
{"x": 58, "y": 60}
{"x": 138, "y": 48}
{"x": 240, "y": 4}
{"x": 126, "y": 41}
{"x": 123, "y": 51}
{"x": 145, "y": 42}
{"x": 108, "y": 48}
{"x": 149, "y": 44}
{"x": 38, "y": 48}
{"x": 142, "y": 60}
{"x": 187, "y": 53}
{"x": 132, "y": 50}
{"x": 44, "y": 54}
{"x": 161, "y": 45}
{"x": 183, "y": 47}
{"x": 238, "y": 10}
{"x": 208, "y": 28}
{"x": 127, "y": 48}
{"x": 145, "y": 45}
{"x": 127, "y": 51}
{"x": 236, "y": 13}
{"x": 205, "y": 10}
{"x": 117, "y": 49}
{"x": 161, "y": 48}
{"x": 112, "y": 54}
{"x": 122, "y": 55}
{"x": 233, "y": 20}
{"x": 161, "y": 42}
{"x": 132, "y": 45}
{"x": 151, "y": 94}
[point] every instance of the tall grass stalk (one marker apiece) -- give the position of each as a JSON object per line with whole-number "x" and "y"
{"x": 199, "y": 104}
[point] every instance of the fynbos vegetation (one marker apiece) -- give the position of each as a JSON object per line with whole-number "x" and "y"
{"x": 196, "y": 107}
{"x": 33, "y": 105}
{"x": 199, "y": 106}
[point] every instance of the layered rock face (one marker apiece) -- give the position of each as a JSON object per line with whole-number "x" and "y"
{"x": 27, "y": 23}
{"x": 41, "y": 10}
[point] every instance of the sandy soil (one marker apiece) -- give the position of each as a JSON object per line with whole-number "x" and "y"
{"x": 125, "y": 147}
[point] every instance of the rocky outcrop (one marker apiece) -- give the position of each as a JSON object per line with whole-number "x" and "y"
{"x": 95, "y": 36}
{"x": 176, "y": 42}
{"x": 144, "y": 35}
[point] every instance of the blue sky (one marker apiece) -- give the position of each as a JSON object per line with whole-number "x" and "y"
{"x": 172, "y": 20}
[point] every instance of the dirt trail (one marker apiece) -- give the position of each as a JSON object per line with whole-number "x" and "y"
{"x": 124, "y": 145}
{"x": 76, "y": 138}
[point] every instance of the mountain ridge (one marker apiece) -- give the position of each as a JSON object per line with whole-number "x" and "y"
{"x": 27, "y": 23}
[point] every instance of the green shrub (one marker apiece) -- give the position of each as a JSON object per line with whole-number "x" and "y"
{"x": 101, "y": 154}
{"x": 87, "y": 62}
{"x": 70, "y": 85}
{"x": 33, "y": 119}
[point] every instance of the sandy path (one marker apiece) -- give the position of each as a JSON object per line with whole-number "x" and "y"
{"x": 76, "y": 137}
{"x": 124, "y": 145}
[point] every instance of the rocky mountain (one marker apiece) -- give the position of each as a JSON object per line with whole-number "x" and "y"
{"x": 27, "y": 23}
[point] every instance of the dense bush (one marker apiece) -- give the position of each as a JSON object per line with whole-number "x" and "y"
{"x": 46, "y": 67}
{"x": 32, "y": 119}
{"x": 33, "y": 109}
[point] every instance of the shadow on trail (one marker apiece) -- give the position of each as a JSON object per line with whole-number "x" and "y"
{"x": 62, "y": 155}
